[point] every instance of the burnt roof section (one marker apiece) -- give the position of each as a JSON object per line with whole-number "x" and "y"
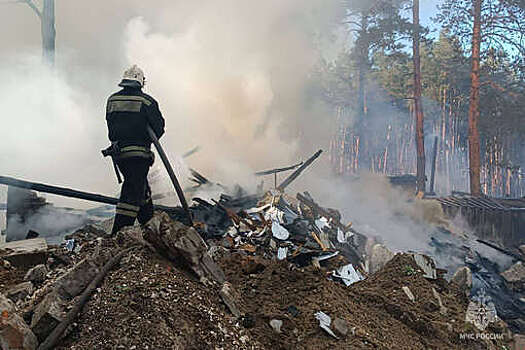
{"x": 467, "y": 201}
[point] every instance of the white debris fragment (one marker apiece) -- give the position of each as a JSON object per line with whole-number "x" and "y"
{"x": 409, "y": 294}
{"x": 70, "y": 244}
{"x": 232, "y": 231}
{"x": 282, "y": 252}
{"x": 426, "y": 264}
{"x": 262, "y": 232}
{"x": 348, "y": 274}
{"x": 276, "y": 325}
{"x": 327, "y": 256}
{"x": 274, "y": 215}
{"x": 322, "y": 223}
{"x": 324, "y": 322}
{"x": 341, "y": 236}
{"x": 279, "y": 231}
{"x": 259, "y": 209}
{"x": 243, "y": 227}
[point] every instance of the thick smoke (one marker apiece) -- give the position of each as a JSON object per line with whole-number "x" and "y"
{"x": 233, "y": 82}
{"x": 230, "y": 76}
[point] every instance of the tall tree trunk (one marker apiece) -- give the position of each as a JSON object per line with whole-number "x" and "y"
{"x": 473, "y": 115}
{"x": 363, "y": 50}
{"x": 48, "y": 31}
{"x": 420, "y": 138}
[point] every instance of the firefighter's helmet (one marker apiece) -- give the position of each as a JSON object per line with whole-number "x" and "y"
{"x": 133, "y": 77}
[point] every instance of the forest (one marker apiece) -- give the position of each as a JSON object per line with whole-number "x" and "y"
{"x": 402, "y": 86}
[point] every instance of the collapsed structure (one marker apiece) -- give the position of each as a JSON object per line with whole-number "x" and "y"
{"x": 254, "y": 272}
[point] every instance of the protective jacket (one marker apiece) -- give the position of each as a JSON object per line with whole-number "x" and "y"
{"x": 128, "y": 113}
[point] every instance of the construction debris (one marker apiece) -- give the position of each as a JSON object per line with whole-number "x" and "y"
{"x": 463, "y": 278}
{"x": 27, "y": 252}
{"x": 379, "y": 256}
{"x": 36, "y": 274}
{"x": 427, "y": 265}
{"x": 408, "y": 293}
{"x": 230, "y": 298}
{"x": 20, "y": 291}
{"x": 251, "y": 268}
{"x": 299, "y": 231}
{"x": 276, "y": 325}
{"x": 515, "y": 277}
{"x": 47, "y": 315}
{"x": 442, "y": 308}
{"x": 340, "y": 327}
{"x": 324, "y": 322}
{"x": 180, "y": 243}
{"x": 14, "y": 332}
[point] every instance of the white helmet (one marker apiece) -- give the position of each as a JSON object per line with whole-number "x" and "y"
{"x": 133, "y": 77}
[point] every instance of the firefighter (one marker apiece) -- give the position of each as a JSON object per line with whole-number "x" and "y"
{"x": 128, "y": 113}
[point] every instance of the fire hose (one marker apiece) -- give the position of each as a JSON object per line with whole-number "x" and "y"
{"x": 171, "y": 173}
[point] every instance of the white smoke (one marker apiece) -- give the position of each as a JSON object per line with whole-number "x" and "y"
{"x": 230, "y": 77}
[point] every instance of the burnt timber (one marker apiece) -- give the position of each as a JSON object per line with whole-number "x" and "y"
{"x": 495, "y": 219}
{"x": 67, "y": 192}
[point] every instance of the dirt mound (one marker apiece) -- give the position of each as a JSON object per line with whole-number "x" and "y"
{"x": 377, "y": 311}
{"x": 160, "y": 297}
{"x": 147, "y": 304}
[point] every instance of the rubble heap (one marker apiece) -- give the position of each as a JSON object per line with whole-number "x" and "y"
{"x": 280, "y": 227}
{"x": 255, "y": 273}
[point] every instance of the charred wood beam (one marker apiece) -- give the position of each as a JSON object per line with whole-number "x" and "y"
{"x": 298, "y": 171}
{"x": 504, "y": 251}
{"x": 198, "y": 178}
{"x": 67, "y": 192}
{"x": 191, "y": 152}
{"x": 307, "y": 200}
{"x": 278, "y": 170}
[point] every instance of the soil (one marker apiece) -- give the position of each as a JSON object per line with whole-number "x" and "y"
{"x": 148, "y": 304}
{"x": 377, "y": 312}
{"x": 10, "y": 277}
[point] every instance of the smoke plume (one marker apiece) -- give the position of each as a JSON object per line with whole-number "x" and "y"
{"x": 231, "y": 77}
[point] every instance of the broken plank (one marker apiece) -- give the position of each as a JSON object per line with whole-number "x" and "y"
{"x": 68, "y": 192}
{"x": 278, "y": 170}
{"x": 321, "y": 211}
{"x": 298, "y": 171}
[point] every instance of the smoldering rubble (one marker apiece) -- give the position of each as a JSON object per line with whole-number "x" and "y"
{"x": 257, "y": 271}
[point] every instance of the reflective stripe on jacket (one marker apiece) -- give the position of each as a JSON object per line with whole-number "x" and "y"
{"x": 135, "y": 151}
{"x": 128, "y": 113}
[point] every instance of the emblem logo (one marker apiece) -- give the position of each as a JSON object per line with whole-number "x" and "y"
{"x": 481, "y": 311}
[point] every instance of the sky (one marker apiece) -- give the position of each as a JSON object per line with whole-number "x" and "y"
{"x": 428, "y": 9}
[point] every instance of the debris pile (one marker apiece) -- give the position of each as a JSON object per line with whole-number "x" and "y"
{"x": 255, "y": 272}
{"x": 280, "y": 227}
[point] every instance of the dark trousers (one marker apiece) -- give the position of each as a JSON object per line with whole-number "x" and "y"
{"x": 135, "y": 197}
